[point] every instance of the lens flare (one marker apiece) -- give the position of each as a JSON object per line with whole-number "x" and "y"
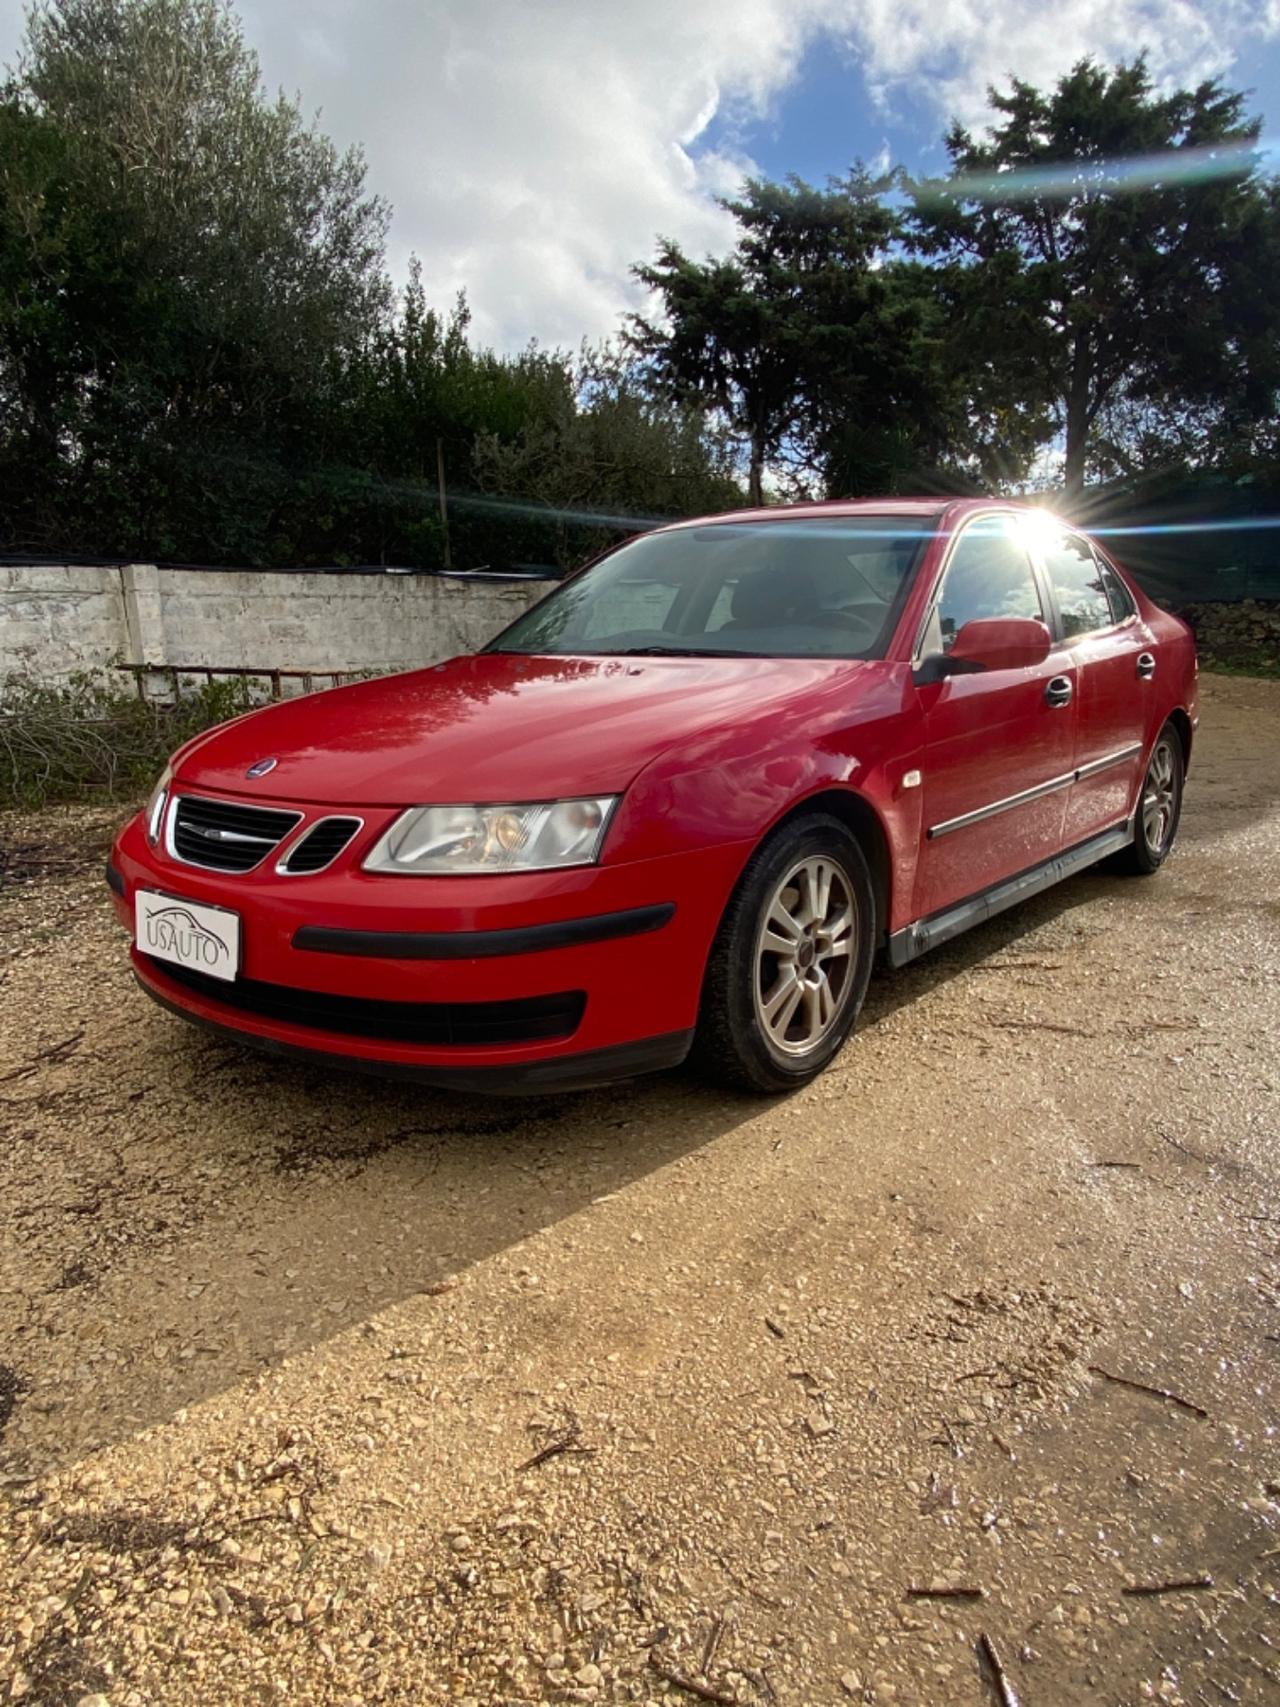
{"x": 1123, "y": 174}
{"x": 1241, "y": 524}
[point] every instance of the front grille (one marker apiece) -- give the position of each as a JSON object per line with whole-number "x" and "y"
{"x": 224, "y": 835}
{"x": 320, "y": 846}
{"x": 531, "y": 1019}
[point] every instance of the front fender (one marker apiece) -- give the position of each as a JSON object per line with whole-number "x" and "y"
{"x": 734, "y": 785}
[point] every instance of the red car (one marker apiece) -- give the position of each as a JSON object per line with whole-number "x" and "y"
{"x": 674, "y": 809}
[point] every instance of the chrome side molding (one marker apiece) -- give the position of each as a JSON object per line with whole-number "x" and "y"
{"x": 1038, "y": 792}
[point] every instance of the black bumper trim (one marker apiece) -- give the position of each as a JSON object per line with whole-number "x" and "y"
{"x": 418, "y": 1025}
{"x": 115, "y": 881}
{"x": 484, "y": 945}
{"x": 581, "y": 1072}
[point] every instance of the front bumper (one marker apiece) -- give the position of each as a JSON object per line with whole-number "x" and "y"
{"x": 322, "y": 953}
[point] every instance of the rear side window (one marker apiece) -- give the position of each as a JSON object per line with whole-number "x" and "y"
{"x": 989, "y": 575}
{"x": 1077, "y": 579}
{"x": 1118, "y": 595}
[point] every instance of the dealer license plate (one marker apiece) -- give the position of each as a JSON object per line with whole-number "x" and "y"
{"x": 204, "y": 939}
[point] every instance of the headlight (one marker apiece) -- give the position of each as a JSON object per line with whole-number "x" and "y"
{"x": 156, "y": 805}
{"x": 442, "y": 841}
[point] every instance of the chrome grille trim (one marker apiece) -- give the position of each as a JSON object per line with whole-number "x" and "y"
{"x": 283, "y": 866}
{"x": 252, "y": 832}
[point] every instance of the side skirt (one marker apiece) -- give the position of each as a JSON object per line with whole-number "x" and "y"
{"x": 919, "y": 937}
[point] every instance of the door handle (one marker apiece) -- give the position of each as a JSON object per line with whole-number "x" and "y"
{"x": 1146, "y": 665}
{"x": 1058, "y": 691}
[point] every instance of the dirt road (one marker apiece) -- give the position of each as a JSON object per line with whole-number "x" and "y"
{"x": 324, "y": 1391}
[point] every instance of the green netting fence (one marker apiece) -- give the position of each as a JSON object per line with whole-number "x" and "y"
{"x": 1192, "y": 539}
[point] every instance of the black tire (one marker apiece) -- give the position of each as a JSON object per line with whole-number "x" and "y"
{"x": 733, "y": 1044}
{"x": 1159, "y": 812}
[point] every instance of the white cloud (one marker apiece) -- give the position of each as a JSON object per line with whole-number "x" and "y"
{"x": 534, "y": 149}
{"x": 533, "y": 152}
{"x": 952, "y": 50}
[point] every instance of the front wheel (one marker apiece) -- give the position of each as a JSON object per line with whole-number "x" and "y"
{"x": 791, "y": 960}
{"x": 1159, "y": 811}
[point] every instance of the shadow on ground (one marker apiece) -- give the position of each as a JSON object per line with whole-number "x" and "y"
{"x": 204, "y": 1211}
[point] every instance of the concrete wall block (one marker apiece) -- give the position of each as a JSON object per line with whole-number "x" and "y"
{"x": 59, "y": 619}
{"x": 143, "y": 614}
{"x": 55, "y": 619}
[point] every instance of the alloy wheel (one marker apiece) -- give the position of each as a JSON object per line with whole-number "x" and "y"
{"x": 1160, "y": 797}
{"x": 804, "y": 955}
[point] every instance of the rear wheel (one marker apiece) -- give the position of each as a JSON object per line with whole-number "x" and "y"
{"x": 791, "y": 960}
{"x": 1155, "y": 827}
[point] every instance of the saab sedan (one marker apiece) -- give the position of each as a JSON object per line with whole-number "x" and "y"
{"x": 677, "y": 809}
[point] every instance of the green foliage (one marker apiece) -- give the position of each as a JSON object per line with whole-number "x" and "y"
{"x": 201, "y": 358}
{"x": 800, "y": 328}
{"x": 612, "y": 454}
{"x": 87, "y": 738}
{"x": 827, "y": 349}
{"x": 182, "y": 265}
{"x": 1041, "y": 292}
{"x": 1083, "y": 294}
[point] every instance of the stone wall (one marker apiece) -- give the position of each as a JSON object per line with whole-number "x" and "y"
{"x": 55, "y": 620}
{"x": 1244, "y": 635}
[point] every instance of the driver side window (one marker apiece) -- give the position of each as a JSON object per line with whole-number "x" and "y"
{"x": 989, "y": 575}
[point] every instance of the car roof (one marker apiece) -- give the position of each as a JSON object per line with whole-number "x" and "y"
{"x": 850, "y": 507}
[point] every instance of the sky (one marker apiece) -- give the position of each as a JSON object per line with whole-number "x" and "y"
{"x": 534, "y": 150}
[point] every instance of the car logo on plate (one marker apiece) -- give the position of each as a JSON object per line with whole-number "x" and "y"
{"x": 262, "y": 767}
{"x": 180, "y": 936}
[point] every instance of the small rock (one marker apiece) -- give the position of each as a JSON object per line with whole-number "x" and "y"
{"x": 589, "y": 1675}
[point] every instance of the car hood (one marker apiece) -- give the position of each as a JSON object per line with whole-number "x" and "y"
{"x": 495, "y": 726}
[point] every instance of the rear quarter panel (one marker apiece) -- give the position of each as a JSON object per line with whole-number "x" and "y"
{"x": 1177, "y": 669}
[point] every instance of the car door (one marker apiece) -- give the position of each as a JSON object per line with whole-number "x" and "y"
{"x": 1115, "y": 663}
{"x": 999, "y": 742}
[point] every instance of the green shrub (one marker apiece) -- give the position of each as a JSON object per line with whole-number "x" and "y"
{"x": 87, "y": 739}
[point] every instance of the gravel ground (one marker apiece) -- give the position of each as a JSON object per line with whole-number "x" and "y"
{"x": 313, "y": 1389}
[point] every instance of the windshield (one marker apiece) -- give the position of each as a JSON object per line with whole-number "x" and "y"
{"x": 817, "y": 587}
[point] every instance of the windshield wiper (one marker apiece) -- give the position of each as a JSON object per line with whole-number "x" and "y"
{"x": 680, "y": 652}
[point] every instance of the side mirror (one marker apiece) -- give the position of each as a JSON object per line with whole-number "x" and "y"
{"x": 1001, "y": 643}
